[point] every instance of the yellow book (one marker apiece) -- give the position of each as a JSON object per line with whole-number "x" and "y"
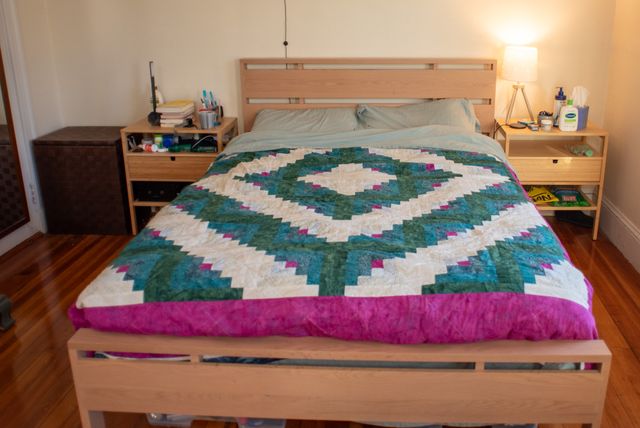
{"x": 541, "y": 195}
{"x": 177, "y": 106}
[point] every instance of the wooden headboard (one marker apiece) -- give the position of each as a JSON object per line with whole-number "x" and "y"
{"x": 301, "y": 83}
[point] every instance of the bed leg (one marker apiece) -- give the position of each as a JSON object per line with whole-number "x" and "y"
{"x": 88, "y": 418}
{"x": 91, "y": 419}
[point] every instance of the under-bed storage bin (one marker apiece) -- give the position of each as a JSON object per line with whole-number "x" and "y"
{"x": 82, "y": 182}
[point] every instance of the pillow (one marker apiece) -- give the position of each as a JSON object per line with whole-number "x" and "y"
{"x": 325, "y": 120}
{"x": 453, "y": 112}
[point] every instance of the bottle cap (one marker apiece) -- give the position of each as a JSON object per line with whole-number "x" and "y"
{"x": 561, "y": 95}
{"x": 569, "y": 102}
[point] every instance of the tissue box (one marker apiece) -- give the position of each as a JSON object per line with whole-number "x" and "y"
{"x": 583, "y": 117}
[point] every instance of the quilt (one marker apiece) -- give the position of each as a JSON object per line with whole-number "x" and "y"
{"x": 391, "y": 244}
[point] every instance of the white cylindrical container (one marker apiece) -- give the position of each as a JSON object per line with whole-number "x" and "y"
{"x": 568, "y": 120}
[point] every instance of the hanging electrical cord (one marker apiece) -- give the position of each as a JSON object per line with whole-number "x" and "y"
{"x": 285, "y": 43}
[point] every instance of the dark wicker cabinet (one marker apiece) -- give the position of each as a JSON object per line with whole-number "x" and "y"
{"x": 82, "y": 180}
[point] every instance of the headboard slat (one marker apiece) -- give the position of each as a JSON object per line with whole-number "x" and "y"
{"x": 350, "y": 79}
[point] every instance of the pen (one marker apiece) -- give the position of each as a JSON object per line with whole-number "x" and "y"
{"x": 204, "y": 98}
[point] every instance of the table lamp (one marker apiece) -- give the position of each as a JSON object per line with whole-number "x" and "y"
{"x": 520, "y": 64}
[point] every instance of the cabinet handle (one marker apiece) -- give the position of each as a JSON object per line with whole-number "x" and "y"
{"x": 174, "y": 158}
{"x": 555, "y": 161}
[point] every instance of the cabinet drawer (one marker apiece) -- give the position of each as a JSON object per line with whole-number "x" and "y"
{"x": 167, "y": 168}
{"x": 568, "y": 169}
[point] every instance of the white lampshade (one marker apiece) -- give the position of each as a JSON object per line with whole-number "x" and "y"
{"x": 520, "y": 64}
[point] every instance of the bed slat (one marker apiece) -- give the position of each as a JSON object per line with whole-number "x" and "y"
{"x": 592, "y": 351}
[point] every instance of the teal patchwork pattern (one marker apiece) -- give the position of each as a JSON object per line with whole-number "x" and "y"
{"x": 343, "y": 222}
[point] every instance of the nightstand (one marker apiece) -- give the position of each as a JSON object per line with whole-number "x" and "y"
{"x": 540, "y": 157}
{"x": 154, "y": 179}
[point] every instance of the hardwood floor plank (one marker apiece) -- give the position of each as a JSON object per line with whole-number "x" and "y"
{"x": 37, "y": 345}
{"x": 615, "y": 412}
{"x": 64, "y": 412}
{"x": 607, "y": 328}
{"x": 625, "y": 381}
{"x": 45, "y": 275}
{"x": 615, "y": 296}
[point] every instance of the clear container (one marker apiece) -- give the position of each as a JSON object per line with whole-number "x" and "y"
{"x": 261, "y": 423}
{"x": 168, "y": 420}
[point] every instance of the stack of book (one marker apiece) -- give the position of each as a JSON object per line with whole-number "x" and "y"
{"x": 175, "y": 113}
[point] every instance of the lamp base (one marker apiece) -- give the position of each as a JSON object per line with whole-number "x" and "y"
{"x": 516, "y": 88}
{"x": 516, "y": 125}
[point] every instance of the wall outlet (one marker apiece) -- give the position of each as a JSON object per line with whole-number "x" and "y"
{"x": 32, "y": 192}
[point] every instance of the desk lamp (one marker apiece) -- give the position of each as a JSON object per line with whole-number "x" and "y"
{"x": 520, "y": 64}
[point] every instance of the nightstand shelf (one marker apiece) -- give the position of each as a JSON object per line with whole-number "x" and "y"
{"x": 550, "y": 149}
{"x": 143, "y": 127}
{"x": 137, "y": 203}
{"x": 549, "y": 207}
{"x": 173, "y": 170}
{"x": 543, "y": 158}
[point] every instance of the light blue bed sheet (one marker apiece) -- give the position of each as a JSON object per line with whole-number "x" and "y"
{"x": 432, "y": 136}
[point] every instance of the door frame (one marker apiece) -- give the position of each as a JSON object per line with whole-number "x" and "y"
{"x": 4, "y": 98}
{"x": 23, "y": 122}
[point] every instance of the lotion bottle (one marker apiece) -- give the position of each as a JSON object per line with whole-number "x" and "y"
{"x": 559, "y": 102}
{"x": 568, "y": 117}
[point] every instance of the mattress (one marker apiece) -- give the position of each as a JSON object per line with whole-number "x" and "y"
{"x": 421, "y": 235}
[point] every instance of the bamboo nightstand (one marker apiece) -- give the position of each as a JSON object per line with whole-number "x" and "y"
{"x": 540, "y": 157}
{"x": 176, "y": 170}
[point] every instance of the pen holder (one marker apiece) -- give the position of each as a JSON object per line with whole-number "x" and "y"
{"x": 212, "y": 119}
{"x": 583, "y": 117}
{"x": 204, "y": 119}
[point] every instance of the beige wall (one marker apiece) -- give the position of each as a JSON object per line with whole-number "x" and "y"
{"x": 100, "y": 48}
{"x": 87, "y": 59}
{"x": 44, "y": 87}
{"x": 621, "y": 220}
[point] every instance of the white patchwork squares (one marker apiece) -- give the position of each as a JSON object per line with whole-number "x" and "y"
{"x": 110, "y": 289}
{"x": 471, "y": 179}
{"x": 257, "y": 272}
{"x": 407, "y": 276}
{"x": 348, "y": 179}
{"x": 561, "y": 280}
{"x": 394, "y": 251}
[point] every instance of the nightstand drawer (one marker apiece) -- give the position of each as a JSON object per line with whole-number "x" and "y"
{"x": 541, "y": 170}
{"x": 167, "y": 167}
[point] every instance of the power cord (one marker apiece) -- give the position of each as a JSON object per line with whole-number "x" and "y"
{"x": 285, "y": 43}
{"x": 213, "y": 140}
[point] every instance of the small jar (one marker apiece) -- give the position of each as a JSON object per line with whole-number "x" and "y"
{"x": 544, "y": 115}
{"x": 546, "y": 124}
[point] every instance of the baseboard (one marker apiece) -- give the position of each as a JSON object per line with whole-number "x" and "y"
{"x": 16, "y": 237}
{"x": 621, "y": 231}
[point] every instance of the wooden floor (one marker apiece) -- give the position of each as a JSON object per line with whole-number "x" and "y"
{"x": 44, "y": 276}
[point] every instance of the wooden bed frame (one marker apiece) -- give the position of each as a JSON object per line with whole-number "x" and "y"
{"x": 476, "y": 394}
{"x": 302, "y": 83}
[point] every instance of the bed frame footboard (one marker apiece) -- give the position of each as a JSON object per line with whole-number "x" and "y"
{"x": 476, "y": 393}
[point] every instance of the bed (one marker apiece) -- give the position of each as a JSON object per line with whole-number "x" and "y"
{"x": 355, "y": 279}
